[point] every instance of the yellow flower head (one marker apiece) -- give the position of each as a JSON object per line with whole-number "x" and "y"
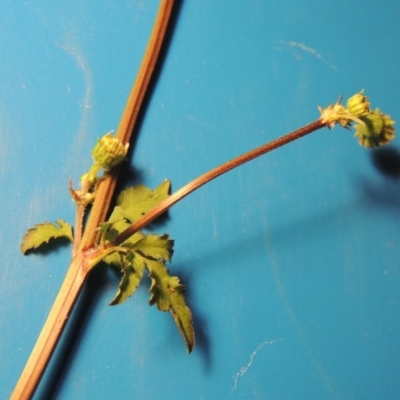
{"x": 376, "y": 131}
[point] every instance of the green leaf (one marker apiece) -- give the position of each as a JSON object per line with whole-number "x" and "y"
{"x": 150, "y": 252}
{"x": 43, "y": 233}
{"x": 121, "y": 225}
{"x": 167, "y": 293}
{"x": 116, "y": 258}
{"x": 132, "y": 275}
{"x": 155, "y": 247}
{"x": 132, "y": 203}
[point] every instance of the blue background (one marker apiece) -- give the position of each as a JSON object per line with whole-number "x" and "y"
{"x": 291, "y": 262}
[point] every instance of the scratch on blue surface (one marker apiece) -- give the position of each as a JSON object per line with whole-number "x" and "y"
{"x": 244, "y": 369}
{"x": 76, "y": 52}
{"x": 310, "y": 50}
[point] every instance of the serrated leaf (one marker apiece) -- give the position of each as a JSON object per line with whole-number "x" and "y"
{"x": 167, "y": 293}
{"x": 43, "y": 233}
{"x": 156, "y": 247}
{"x": 132, "y": 203}
{"x": 132, "y": 275}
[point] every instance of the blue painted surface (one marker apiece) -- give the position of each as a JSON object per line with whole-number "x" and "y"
{"x": 291, "y": 261}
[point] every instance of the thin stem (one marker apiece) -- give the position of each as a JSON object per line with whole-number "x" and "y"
{"x": 208, "y": 176}
{"x": 78, "y": 269}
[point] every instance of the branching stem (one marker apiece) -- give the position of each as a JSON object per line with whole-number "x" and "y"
{"x": 86, "y": 253}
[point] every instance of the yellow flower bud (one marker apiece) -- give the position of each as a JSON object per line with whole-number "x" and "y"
{"x": 109, "y": 152}
{"x": 358, "y": 105}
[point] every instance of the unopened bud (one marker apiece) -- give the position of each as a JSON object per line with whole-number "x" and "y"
{"x": 109, "y": 152}
{"x": 358, "y": 105}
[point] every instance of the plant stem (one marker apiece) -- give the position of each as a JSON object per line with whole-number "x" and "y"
{"x": 78, "y": 269}
{"x": 51, "y": 332}
{"x": 105, "y": 191}
{"x": 210, "y": 175}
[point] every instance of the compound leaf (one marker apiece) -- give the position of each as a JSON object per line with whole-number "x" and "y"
{"x": 150, "y": 252}
{"x": 43, "y": 233}
{"x": 167, "y": 293}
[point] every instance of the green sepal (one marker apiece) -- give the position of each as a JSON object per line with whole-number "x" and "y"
{"x": 168, "y": 293}
{"x": 43, "y": 233}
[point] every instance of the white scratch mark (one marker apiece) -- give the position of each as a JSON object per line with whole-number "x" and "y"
{"x": 243, "y": 370}
{"x": 71, "y": 46}
{"x": 310, "y": 50}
